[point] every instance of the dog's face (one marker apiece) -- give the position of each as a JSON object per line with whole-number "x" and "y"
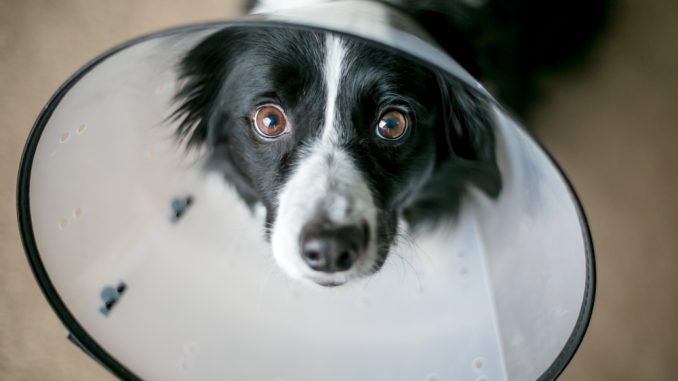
{"x": 334, "y": 137}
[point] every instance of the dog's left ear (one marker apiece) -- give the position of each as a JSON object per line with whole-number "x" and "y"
{"x": 465, "y": 155}
{"x": 469, "y": 135}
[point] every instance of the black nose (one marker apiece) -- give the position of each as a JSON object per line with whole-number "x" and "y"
{"x": 330, "y": 248}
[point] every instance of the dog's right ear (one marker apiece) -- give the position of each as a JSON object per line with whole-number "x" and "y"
{"x": 203, "y": 73}
{"x": 201, "y": 76}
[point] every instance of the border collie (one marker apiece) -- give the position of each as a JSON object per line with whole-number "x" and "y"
{"x": 342, "y": 141}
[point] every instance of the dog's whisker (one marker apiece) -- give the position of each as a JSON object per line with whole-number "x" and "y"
{"x": 406, "y": 264}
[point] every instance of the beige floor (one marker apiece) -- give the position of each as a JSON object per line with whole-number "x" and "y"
{"x": 613, "y": 126}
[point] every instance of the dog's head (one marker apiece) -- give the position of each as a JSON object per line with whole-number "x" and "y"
{"x": 337, "y": 138}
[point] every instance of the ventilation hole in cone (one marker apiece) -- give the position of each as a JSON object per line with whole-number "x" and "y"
{"x": 478, "y": 363}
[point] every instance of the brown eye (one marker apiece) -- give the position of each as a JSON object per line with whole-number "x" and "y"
{"x": 270, "y": 121}
{"x": 392, "y": 125}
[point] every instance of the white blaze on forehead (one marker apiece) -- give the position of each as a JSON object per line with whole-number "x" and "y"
{"x": 334, "y": 62}
{"x": 325, "y": 183}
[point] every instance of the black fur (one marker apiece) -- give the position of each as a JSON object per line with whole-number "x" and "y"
{"x": 509, "y": 44}
{"x": 450, "y": 147}
{"x": 226, "y": 77}
{"x": 232, "y": 71}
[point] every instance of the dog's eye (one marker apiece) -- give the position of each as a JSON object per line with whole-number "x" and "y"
{"x": 270, "y": 121}
{"x": 392, "y": 125}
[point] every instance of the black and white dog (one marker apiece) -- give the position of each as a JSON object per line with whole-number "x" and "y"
{"x": 341, "y": 141}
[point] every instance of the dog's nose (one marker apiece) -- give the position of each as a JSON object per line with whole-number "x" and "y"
{"x": 329, "y": 248}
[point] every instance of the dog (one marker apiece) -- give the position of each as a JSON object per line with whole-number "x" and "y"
{"x": 343, "y": 142}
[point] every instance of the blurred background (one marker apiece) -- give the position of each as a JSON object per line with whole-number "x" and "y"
{"x": 612, "y": 124}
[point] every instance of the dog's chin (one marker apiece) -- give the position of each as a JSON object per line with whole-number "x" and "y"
{"x": 333, "y": 280}
{"x": 326, "y": 280}
{"x": 328, "y": 283}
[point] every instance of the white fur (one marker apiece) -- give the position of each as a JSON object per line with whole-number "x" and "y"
{"x": 334, "y": 69}
{"x": 277, "y": 5}
{"x": 327, "y": 182}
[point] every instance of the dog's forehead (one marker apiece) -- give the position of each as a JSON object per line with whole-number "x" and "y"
{"x": 297, "y": 62}
{"x": 308, "y": 53}
{"x": 372, "y": 69}
{"x": 270, "y": 52}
